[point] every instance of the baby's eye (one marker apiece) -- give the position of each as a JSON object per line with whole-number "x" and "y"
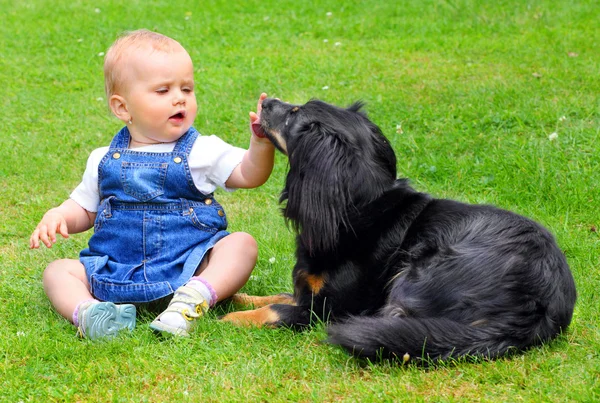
{"x": 162, "y": 90}
{"x": 187, "y": 90}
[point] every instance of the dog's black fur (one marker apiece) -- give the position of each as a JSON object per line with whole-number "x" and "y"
{"x": 396, "y": 272}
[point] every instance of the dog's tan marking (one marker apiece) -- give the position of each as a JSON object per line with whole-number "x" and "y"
{"x": 264, "y": 316}
{"x": 295, "y": 109}
{"x": 254, "y": 301}
{"x": 314, "y": 282}
{"x": 280, "y": 141}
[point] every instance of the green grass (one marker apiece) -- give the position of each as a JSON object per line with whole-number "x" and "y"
{"x": 468, "y": 92}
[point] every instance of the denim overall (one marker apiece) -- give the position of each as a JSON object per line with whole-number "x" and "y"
{"x": 153, "y": 225}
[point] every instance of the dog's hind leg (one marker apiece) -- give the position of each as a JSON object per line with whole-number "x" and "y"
{"x": 254, "y": 301}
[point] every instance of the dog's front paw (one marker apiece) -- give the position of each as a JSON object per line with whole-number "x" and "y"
{"x": 264, "y": 316}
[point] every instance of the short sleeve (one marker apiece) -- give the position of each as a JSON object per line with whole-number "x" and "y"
{"x": 87, "y": 194}
{"x": 212, "y": 161}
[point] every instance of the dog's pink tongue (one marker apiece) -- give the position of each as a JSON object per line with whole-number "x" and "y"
{"x": 257, "y": 128}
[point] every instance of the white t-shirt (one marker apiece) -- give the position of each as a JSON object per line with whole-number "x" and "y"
{"x": 211, "y": 162}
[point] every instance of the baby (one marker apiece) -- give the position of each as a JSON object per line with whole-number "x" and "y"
{"x": 158, "y": 230}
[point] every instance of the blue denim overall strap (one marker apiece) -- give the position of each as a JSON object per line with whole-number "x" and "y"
{"x": 138, "y": 167}
{"x": 153, "y": 226}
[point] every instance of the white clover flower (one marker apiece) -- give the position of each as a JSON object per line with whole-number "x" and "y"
{"x": 553, "y": 136}
{"x": 338, "y": 44}
{"x": 329, "y": 14}
{"x": 399, "y": 128}
{"x": 80, "y": 40}
{"x": 325, "y": 40}
{"x": 101, "y": 54}
{"x": 272, "y": 260}
{"x": 562, "y": 118}
{"x": 99, "y": 99}
{"x": 325, "y": 87}
{"x": 97, "y": 10}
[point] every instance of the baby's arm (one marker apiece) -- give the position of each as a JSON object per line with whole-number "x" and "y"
{"x": 257, "y": 164}
{"x": 67, "y": 218}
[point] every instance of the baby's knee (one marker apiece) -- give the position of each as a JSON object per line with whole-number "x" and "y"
{"x": 245, "y": 243}
{"x": 62, "y": 268}
{"x": 54, "y": 269}
{"x": 247, "y": 240}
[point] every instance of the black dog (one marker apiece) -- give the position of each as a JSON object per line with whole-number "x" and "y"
{"x": 396, "y": 272}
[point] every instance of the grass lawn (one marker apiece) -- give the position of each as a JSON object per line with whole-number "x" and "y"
{"x": 484, "y": 101}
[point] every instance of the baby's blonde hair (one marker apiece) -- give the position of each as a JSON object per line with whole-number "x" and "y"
{"x": 123, "y": 46}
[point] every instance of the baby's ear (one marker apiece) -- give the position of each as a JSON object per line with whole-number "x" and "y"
{"x": 118, "y": 106}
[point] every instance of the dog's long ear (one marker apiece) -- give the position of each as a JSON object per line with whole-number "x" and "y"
{"x": 339, "y": 161}
{"x": 330, "y": 177}
{"x": 317, "y": 197}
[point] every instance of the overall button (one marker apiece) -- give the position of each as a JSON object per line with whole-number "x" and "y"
{"x": 220, "y": 213}
{"x": 117, "y": 156}
{"x": 177, "y": 160}
{"x": 208, "y": 202}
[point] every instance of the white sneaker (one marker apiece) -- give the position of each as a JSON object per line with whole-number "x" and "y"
{"x": 187, "y": 305}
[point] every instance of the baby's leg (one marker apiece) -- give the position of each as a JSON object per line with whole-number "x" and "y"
{"x": 66, "y": 286}
{"x": 223, "y": 272}
{"x": 229, "y": 264}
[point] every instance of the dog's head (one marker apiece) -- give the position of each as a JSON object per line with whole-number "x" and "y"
{"x": 338, "y": 161}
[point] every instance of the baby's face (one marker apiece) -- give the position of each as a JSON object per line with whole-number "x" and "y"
{"x": 159, "y": 92}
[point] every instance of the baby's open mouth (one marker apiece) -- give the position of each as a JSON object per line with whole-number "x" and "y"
{"x": 178, "y": 116}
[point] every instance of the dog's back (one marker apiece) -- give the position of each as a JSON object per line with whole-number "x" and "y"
{"x": 470, "y": 280}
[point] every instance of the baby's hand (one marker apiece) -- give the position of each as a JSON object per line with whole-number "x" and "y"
{"x": 255, "y": 127}
{"x": 46, "y": 230}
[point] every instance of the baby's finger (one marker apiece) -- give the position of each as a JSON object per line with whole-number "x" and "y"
{"x": 253, "y": 117}
{"x": 262, "y": 97}
{"x": 52, "y": 233}
{"x": 34, "y": 240}
{"x": 44, "y": 236}
{"x": 64, "y": 231}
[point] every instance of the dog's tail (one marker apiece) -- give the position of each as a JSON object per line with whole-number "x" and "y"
{"x": 421, "y": 340}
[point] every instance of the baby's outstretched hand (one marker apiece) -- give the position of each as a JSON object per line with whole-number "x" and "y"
{"x": 255, "y": 126}
{"x": 46, "y": 230}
